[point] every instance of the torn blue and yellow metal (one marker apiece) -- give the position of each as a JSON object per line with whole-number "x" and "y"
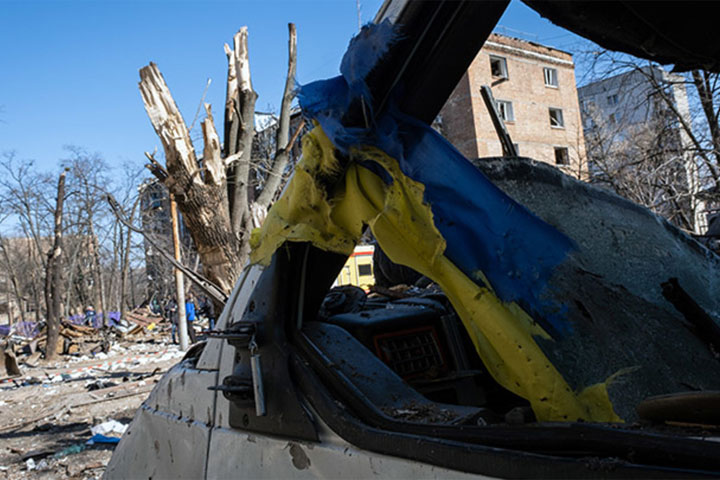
{"x": 430, "y": 209}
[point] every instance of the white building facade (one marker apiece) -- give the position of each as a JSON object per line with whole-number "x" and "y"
{"x": 623, "y": 106}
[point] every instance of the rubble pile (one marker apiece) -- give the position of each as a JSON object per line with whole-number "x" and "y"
{"x": 77, "y": 336}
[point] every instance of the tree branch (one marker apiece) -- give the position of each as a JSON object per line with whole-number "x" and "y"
{"x": 283, "y": 143}
{"x": 209, "y": 287}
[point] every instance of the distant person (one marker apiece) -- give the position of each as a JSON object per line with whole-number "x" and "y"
{"x": 207, "y": 310}
{"x": 90, "y": 316}
{"x": 171, "y": 314}
{"x": 190, "y": 316}
{"x": 155, "y": 307}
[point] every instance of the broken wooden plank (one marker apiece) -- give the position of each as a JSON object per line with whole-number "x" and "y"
{"x": 11, "y": 365}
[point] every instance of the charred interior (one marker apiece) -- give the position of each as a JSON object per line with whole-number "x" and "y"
{"x": 411, "y": 338}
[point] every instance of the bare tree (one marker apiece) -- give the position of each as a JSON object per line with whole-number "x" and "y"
{"x": 15, "y": 281}
{"x": 88, "y": 184}
{"x": 660, "y": 146}
{"x": 25, "y": 199}
{"x": 125, "y": 260}
{"x": 57, "y": 267}
{"x": 219, "y": 195}
{"x": 643, "y": 164}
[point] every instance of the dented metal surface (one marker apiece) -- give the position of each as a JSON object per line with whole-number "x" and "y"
{"x": 258, "y": 456}
{"x": 170, "y": 430}
{"x": 170, "y": 434}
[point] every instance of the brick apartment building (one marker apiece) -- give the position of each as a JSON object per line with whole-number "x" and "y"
{"x": 535, "y": 93}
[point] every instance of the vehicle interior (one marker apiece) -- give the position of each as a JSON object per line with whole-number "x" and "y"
{"x": 411, "y": 357}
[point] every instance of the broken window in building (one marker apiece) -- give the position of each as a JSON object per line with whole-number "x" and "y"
{"x": 612, "y": 99}
{"x": 505, "y": 110}
{"x": 498, "y": 67}
{"x": 551, "y": 79}
{"x": 556, "y": 118}
{"x": 561, "y": 156}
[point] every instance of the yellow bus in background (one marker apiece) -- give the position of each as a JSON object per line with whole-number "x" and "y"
{"x": 358, "y": 270}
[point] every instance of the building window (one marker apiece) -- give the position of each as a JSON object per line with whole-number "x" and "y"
{"x": 505, "y": 110}
{"x": 612, "y": 99}
{"x": 561, "y": 156}
{"x": 551, "y": 79}
{"x": 498, "y": 67}
{"x": 364, "y": 269}
{"x": 556, "y": 118}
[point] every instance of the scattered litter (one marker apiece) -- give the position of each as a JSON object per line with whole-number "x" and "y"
{"x": 111, "y": 426}
{"x": 30, "y": 464}
{"x": 100, "y": 384}
{"x": 99, "y": 438}
{"x": 71, "y": 450}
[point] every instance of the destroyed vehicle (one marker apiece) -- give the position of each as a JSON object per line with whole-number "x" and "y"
{"x": 577, "y": 341}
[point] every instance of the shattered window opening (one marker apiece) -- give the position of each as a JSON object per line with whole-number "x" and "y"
{"x": 561, "y": 156}
{"x": 498, "y": 67}
{"x": 556, "y": 118}
{"x": 551, "y": 79}
{"x": 505, "y": 110}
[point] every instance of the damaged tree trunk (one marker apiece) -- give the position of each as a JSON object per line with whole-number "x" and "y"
{"x": 218, "y": 195}
{"x": 53, "y": 276}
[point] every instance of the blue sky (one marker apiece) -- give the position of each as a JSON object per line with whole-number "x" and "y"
{"x": 69, "y": 69}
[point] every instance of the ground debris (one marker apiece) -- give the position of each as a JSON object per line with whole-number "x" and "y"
{"x": 62, "y": 419}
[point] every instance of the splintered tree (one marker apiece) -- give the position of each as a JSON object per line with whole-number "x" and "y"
{"x": 224, "y": 194}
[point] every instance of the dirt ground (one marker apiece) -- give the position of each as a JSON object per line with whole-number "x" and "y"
{"x": 46, "y": 415}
